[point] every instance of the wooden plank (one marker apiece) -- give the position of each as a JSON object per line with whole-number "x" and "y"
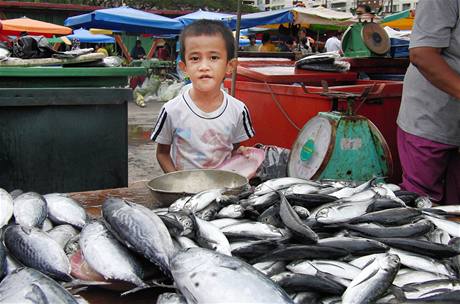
{"x": 17, "y": 62}
{"x": 123, "y": 48}
{"x": 136, "y": 192}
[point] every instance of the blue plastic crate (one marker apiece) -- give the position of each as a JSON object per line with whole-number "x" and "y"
{"x": 399, "y": 48}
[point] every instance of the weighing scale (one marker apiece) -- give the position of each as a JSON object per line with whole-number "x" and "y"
{"x": 340, "y": 145}
{"x": 365, "y": 39}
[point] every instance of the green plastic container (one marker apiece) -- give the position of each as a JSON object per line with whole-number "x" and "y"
{"x": 64, "y": 129}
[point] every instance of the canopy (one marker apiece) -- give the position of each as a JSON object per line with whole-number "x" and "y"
{"x": 32, "y": 27}
{"x": 264, "y": 18}
{"x": 126, "y": 19}
{"x": 320, "y": 16}
{"x": 198, "y": 15}
{"x": 403, "y": 20}
{"x": 86, "y": 36}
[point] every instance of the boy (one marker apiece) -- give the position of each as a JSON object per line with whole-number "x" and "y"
{"x": 202, "y": 126}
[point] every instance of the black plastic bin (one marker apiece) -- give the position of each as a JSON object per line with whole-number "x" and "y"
{"x": 63, "y": 139}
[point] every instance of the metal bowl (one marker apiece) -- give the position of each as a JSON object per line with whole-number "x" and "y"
{"x": 169, "y": 187}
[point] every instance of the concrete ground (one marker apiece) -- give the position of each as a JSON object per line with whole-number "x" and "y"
{"x": 142, "y": 163}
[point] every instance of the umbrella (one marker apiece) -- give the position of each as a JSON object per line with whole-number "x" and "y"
{"x": 86, "y": 36}
{"x": 126, "y": 19}
{"x": 199, "y": 15}
{"x": 403, "y": 20}
{"x": 320, "y": 16}
{"x": 32, "y": 27}
{"x": 264, "y": 18}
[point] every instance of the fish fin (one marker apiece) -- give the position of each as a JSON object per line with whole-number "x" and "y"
{"x": 138, "y": 288}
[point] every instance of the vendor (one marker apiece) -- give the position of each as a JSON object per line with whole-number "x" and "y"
{"x": 138, "y": 51}
{"x": 429, "y": 117}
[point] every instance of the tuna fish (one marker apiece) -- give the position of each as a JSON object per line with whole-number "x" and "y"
{"x": 205, "y": 276}
{"x": 141, "y": 229}
{"x": 63, "y": 209}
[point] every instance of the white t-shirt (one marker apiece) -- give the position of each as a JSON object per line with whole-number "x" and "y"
{"x": 199, "y": 139}
{"x": 333, "y": 44}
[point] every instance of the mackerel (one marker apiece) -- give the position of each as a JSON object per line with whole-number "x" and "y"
{"x": 292, "y": 221}
{"x": 373, "y": 281}
{"x": 62, "y": 234}
{"x": 305, "y": 282}
{"x": 416, "y": 276}
{"x": 453, "y": 228}
{"x": 178, "y": 205}
{"x": 231, "y": 211}
{"x": 27, "y": 285}
{"x": 354, "y": 245}
{"x": 431, "y": 288}
{"x": 63, "y": 209}
{"x": 205, "y": 276}
{"x": 6, "y": 207}
{"x": 140, "y": 229}
{"x": 34, "y": 248}
{"x": 270, "y": 268}
{"x": 340, "y": 212}
{"x": 281, "y": 183}
{"x": 30, "y": 209}
{"x": 419, "y": 262}
{"x": 255, "y": 230}
{"x": 209, "y": 236}
{"x": 201, "y": 200}
{"x": 410, "y": 230}
{"x": 107, "y": 256}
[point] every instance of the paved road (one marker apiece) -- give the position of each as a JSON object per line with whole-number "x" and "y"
{"x": 142, "y": 163}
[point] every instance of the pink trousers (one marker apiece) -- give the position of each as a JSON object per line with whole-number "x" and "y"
{"x": 430, "y": 168}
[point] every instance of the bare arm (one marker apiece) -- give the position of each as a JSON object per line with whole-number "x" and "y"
{"x": 164, "y": 158}
{"x": 435, "y": 69}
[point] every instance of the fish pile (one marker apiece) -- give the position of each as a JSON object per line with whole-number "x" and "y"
{"x": 287, "y": 240}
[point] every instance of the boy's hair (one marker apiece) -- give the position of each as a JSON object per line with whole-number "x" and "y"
{"x": 208, "y": 28}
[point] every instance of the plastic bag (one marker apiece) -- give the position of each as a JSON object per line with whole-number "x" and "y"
{"x": 170, "y": 89}
{"x": 275, "y": 162}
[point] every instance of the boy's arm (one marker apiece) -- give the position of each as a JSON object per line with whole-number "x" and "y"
{"x": 164, "y": 158}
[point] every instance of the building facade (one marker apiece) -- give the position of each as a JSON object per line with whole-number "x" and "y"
{"x": 339, "y": 5}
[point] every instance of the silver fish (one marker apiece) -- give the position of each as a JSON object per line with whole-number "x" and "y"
{"x": 255, "y": 230}
{"x": 62, "y": 234}
{"x": 209, "y": 236}
{"x": 34, "y": 248}
{"x": 171, "y": 298}
{"x": 185, "y": 242}
{"x": 439, "y": 236}
{"x": 231, "y": 211}
{"x": 349, "y": 191}
{"x": 63, "y": 209}
{"x": 366, "y": 260}
{"x": 340, "y": 212}
{"x": 419, "y": 262}
{"x": 26, "y": 285}
{"x": 431, "y": 288}
{"x": 178, "y": 205}
{"x": 336, "y": 268}
{"x": 30, "y": 209}
{"x": 451, "y": 227}
{"x": 270, "y": 268}
{"x": 6, "y": 207}
{"x": 302, "y": 212}
{"x": 141, "y": 229}
{"x": 416, "y": 276}
{"x": 280, "y": 183}
{"x": 201, "y": 200}
{"x": 47, "y": 225}
{"x": 203, "y": 276}
{"x": 107, "y": 256}
{"x": 224, "y": 222}
{"x": 301, "y": 189}
{"x": 373, "y": 281}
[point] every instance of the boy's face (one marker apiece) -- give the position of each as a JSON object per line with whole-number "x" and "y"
{"x": 206, "y": 62}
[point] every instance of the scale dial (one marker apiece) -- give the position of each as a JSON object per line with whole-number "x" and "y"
{"x": 311, "y": 148}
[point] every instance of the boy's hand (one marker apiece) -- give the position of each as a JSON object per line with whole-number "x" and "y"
{"x": 245, "y": 151}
